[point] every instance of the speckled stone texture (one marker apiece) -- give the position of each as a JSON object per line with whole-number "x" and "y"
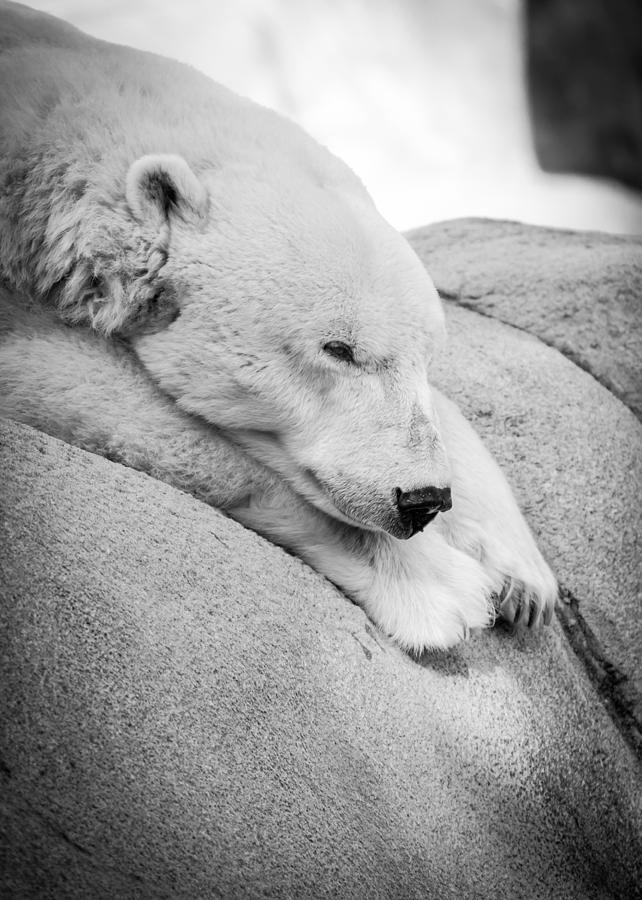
{"x": 579, "y": 291}
{"x": 187, "y": 711}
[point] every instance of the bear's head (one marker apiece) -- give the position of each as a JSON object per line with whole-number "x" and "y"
{"x": 280, "y": 307}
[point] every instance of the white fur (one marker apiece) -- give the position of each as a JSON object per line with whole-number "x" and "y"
{"x": 205, "y": 266}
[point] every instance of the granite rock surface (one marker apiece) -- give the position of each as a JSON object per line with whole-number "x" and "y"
{"x": 579, "y": 291}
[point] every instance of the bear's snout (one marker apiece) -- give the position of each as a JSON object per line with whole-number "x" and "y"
{"x": 419, "y": 507}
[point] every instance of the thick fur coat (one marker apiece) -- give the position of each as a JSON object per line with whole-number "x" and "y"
{"x": 195, "y": 288}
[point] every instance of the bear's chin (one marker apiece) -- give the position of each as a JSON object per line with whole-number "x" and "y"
{"x": 386, "y": 523}
{"x": 325, "y": 499}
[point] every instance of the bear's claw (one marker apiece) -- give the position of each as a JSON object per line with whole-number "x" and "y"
{"x": 523, "y": 607}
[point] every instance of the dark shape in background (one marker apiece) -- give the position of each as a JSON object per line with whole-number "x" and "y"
{"x": 584, "y": 67}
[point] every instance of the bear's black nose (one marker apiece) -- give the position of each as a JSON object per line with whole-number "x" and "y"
{"x": 418, "y": 508}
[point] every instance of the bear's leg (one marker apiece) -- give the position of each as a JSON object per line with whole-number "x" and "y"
{"x": 422, "y": 592}
{"x": 90, "y": 392}
{"x": 486, "y": 523}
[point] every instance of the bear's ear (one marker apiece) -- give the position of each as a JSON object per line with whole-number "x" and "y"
{"x": 163, "y": 185}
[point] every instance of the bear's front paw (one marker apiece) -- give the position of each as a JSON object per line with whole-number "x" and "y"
{"x": 526, "y": 606}
{"x": 523, "y": 587}
{"x": 426, "y": 594}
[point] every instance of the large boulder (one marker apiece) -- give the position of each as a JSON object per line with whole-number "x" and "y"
{"x": 190, "y": 712}
{"x": 578, "y": 291}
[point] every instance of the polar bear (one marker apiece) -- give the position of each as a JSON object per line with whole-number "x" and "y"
{"x": 195, "y": 288}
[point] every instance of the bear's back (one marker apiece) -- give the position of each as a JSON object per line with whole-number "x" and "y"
{"x": 70, "y": 100}
{"x": 22, "y": 26}
{"x": 56, "y": 77}
{"x": 76, "y": 113}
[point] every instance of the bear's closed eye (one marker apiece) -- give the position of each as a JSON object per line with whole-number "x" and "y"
{"x": 340, "y": 351}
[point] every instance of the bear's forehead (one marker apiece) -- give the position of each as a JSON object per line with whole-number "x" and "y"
{"x": 319, "y": 258}
{"x": 332, "y": 243}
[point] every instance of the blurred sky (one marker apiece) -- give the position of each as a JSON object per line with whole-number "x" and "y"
{"x": 424, "y": 99}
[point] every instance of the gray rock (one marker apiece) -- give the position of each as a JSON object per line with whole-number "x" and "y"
{"x": 580, "y": 292}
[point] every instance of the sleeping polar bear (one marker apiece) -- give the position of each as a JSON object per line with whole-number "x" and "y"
{"x": 195, "y": 288}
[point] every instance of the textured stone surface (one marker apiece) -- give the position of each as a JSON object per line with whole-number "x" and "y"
{"x": 580, "y": 292}
{"x": 188, "y": 711}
